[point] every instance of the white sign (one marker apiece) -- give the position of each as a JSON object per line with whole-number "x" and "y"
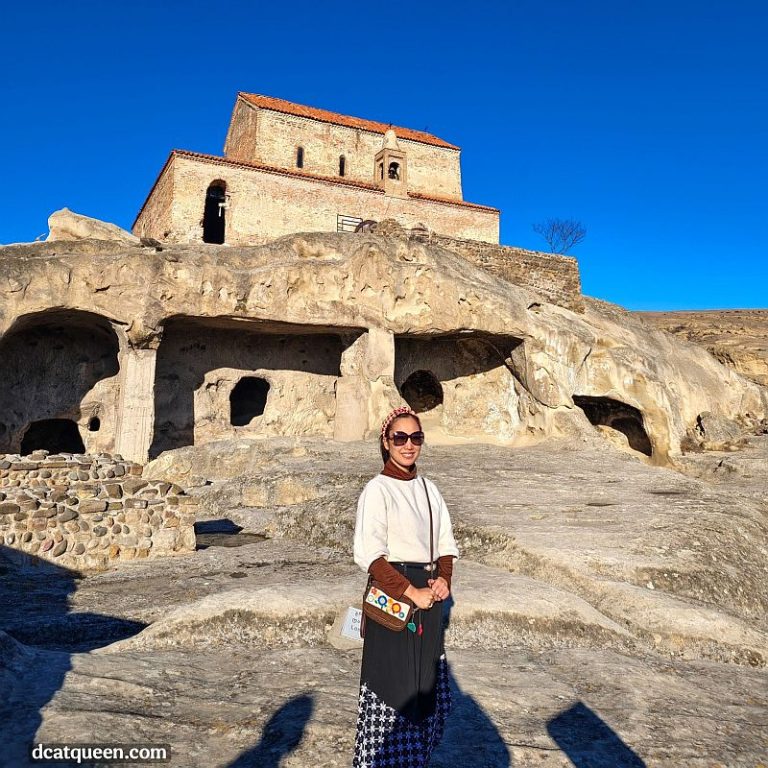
{"x": 351, "y": 627}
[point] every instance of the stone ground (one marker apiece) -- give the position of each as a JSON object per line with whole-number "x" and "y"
{"x": 607, "y": 614}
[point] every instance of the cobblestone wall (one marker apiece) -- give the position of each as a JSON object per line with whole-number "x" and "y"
{"x": 556, "y": 278}
{"x": 85, "y": 511}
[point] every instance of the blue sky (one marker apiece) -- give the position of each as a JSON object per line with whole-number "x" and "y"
{"x": 647, "y": 121}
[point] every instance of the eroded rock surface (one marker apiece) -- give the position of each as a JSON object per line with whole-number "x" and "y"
{"x": 605, "y": 611}
{"x": 68, "y": 225}
{"x": 330, "y": 331}
{"x": 736, "y": 337}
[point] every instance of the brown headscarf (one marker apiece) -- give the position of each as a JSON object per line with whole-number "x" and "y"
{"x": 390, "y": 469}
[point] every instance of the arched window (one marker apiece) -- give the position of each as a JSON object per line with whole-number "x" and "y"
{"x": 394, "y": 171}
{"x": 381, "y": 170}
{"x": 299, "y": 157}
{"x": 342, "y": 165}
{"x": 215, "y": 211}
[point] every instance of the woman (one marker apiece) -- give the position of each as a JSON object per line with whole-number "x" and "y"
{"x": 404, "y": 693}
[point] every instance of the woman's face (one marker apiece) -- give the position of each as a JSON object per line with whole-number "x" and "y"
{"x": 403, "y": 455}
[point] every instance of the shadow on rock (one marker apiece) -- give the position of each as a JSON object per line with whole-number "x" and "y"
{"x": 589, "y": 742}
{"x": 223, "y": 533}
{"x": 471, "y": 738}
{"x": 38, "y": 636}
{"x": 282, "y": 734}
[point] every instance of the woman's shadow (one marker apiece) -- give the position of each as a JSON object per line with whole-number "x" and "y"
{"x": 281, "y": 735}
{"x": 471, "y": 738}
{"x": 38, "y": 635}
{"x": 473, "y": 741}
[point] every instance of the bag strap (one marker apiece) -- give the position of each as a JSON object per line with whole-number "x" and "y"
{"x": 431, "y": 526}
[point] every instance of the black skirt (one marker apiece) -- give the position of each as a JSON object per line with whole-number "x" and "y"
{"x": 404, "y": 690}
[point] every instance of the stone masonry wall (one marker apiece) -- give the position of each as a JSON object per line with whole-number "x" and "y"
{"x": 157, "y": 218}
{"x": 85, "y": 511}
{"x": 432, "y": 170}
{"x": 554, "y": 277}
{"x": 264, "y": 206}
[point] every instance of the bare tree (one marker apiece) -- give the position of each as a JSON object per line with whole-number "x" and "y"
{"x": 561, "y": 234}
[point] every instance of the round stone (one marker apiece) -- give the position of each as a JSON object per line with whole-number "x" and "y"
{"x": 60, "y": 548}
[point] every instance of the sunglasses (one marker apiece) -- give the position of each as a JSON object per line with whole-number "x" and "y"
{"x": 401, "y": 438}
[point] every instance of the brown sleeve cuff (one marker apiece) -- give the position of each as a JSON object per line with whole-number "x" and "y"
{"x": 392, "y": 581}
{"x": 445, "y": 568}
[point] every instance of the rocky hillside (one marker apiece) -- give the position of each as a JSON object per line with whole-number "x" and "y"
{"x": 337, "y": 325}
{"x": 736, "y": 337}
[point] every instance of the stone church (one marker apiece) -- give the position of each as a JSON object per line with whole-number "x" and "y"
{"x": 290, "y": 168}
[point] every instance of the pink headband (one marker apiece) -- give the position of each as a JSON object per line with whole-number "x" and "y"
{"x": 403, "y": 410}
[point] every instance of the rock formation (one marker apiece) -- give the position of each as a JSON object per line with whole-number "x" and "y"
{"x": 736, "y": 337}
{"x": 68, "y": 225}
{"x": 606, "y": 612}
{"x": 320, "y": 335}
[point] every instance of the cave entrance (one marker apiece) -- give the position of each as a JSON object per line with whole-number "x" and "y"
{"x": 247, "y": 400}
{"x": 58, "y": 364}
{"x": 422, "y": 391}
{"x": 53, "y": 435}
{"x": 444, "y": 376}
{"x": 217, "y": 375}
{"x": 604, "y": 411}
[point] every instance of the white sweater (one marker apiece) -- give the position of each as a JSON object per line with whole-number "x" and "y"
{"x": 393, "y": 522}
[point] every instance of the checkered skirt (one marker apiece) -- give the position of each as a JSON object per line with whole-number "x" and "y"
{"x": 387, "y": 739}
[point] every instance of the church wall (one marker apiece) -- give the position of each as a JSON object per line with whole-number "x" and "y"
{"x": 242, "y": 134}
{"x": 431, "y": 170}
{"x": 155, "y": 218}
{"x": 263, "y": 206}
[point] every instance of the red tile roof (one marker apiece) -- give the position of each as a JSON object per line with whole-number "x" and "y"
{"x": 216, "y": 160}
{"x": 289, "y": 108}
{"x": 451, "y": 201}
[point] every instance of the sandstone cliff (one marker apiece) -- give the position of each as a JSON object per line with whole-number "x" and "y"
{"x": 736, "y": 337}
{"x": 154, "y": 342}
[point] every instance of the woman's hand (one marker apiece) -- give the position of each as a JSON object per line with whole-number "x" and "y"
{"x": 423, "y": 598}
{"x": 439, "y": 587}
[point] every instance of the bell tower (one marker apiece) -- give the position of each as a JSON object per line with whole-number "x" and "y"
{"x": 390, "y": 167}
